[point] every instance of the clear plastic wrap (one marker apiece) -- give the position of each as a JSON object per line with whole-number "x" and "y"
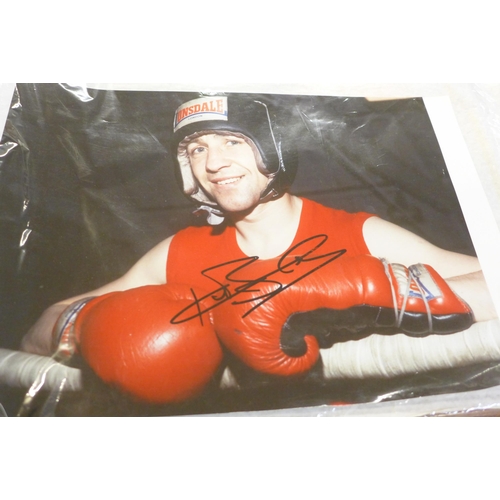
{"x": 88, "y": 186}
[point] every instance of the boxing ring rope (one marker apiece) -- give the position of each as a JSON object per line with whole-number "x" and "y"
{"x": 375, "y": 356}
{"x": 393, "y": 355}
{"x": 20, "y": 369}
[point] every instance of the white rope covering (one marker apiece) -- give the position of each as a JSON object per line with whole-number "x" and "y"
{"x": 393, "y": 355}
{"x": 376, "y": 356}
{"x": 20, "y": 369}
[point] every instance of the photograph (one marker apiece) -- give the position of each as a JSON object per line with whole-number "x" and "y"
{"x": 191, "y": 252}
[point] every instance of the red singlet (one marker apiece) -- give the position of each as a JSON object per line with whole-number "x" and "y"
{"x": 196, "y": 249}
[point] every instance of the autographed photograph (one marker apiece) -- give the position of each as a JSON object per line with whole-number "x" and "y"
{"x": 185, "y": 253}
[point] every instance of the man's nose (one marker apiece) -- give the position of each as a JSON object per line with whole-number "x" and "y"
{"x": 216, "y": 159}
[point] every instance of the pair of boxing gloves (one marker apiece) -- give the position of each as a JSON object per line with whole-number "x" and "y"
{"x": 162, "y": 343}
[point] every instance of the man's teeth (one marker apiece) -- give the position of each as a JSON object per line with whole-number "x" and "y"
{"x": 228, "y": 181}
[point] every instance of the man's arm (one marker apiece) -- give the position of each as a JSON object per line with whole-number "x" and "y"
{"x": 149, "y": 270}
{"x": 462, "y": 272}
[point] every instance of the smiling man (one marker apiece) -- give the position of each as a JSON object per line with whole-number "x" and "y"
{"x": 236, "y": 163}
{"x": 225, "y": 167}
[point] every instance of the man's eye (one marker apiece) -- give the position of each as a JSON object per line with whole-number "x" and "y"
{"x": 233, "y": 142}
{"x": 197, "y": 150}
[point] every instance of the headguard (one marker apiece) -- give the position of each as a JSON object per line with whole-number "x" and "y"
{"x": 236, "y": 114}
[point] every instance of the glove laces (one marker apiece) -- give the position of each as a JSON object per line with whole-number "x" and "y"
{"x": 404, "y": 278}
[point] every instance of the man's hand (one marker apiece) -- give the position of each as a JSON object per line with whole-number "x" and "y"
{"x": 348, "y": 299}
{"x": 462, "y": 272}
{"x": 129, "y": 341}
{"x": 149, "y": 270}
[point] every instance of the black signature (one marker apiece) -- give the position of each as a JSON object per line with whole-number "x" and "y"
{"x": 234, "y": 286}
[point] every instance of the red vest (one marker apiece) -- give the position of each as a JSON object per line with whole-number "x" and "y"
{"x": 196, "y": 249}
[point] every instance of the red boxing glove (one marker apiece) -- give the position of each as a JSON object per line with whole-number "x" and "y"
{"x": 128, "y": 340}
{"x": 277, "y": 327}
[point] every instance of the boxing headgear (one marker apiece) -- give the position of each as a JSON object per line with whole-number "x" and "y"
{"x": 239, "y": 115}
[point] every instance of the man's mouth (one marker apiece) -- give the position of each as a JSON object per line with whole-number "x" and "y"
{"x": 231, "y": 180}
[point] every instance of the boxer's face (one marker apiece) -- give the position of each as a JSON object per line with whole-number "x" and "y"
{"x": 226, "y": 168}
